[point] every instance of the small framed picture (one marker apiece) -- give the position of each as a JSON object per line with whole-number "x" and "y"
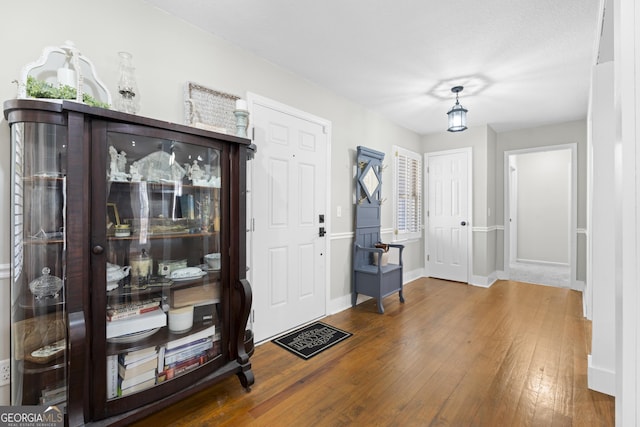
{"x": 113, "y": 218}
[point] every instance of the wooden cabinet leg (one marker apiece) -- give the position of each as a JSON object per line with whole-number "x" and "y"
{"x": 246, "y": 378}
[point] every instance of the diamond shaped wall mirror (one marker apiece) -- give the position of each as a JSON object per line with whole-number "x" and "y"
{"x": 370, "y": 181}
{"x": 369, "y": 178}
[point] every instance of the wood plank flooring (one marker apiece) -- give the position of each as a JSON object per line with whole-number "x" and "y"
{"x": 453, "y": 355}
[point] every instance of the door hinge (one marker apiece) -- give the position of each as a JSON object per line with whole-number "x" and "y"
{"x": 427, "y": 257}
{"x": 253, "y": 133}
{"x": 253, "y": 316}
{"x": 427, "y": 213}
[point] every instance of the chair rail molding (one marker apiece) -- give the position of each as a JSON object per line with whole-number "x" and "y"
{"x": 489, "y": 229}
{"x": 5, "y": 271}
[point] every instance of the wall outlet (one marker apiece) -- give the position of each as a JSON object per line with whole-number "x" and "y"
{"x": 5, "y": 372}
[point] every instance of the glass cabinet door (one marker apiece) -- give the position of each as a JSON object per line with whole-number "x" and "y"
{"x": 38, "y": 317}
{"x": 164, "y": 261}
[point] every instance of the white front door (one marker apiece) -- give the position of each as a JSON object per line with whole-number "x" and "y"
{"x": 289, "y": 202}
{"x": 448, "y": 215}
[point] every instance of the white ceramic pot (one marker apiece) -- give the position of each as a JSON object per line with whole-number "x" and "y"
{"x": 116, "y": 273}
{"x": 213, "y": 261}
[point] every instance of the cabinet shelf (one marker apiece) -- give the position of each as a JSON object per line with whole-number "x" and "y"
{"x": 160, "y": 285}
{"x": 167, "y": 185}
{"x": 31, "y": 179}
{"x": 40, "y": 242}
{"x": 162, "y": 336}
{"x": 178, "y": 235}
{"x": 34, "y": 305}
{"x": 32, "y": 368}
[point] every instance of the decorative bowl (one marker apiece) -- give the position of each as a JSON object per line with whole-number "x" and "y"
{"x": 45, "y": 285}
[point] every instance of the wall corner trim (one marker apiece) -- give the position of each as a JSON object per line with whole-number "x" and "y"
{"x": 600, "y": 379}
{"x": 483, "y": 281}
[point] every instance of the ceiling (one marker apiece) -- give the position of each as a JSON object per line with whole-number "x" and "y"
{"x": 523, "y": 63}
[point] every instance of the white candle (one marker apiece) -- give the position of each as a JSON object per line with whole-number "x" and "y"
{"x": 67, "y": 76}
{"x": 241, "y": 104}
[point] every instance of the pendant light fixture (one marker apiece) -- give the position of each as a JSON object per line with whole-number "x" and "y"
{"x": 457, "y": 114}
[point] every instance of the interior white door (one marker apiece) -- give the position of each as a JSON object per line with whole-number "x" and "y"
{"x": 448, "y": 215}
{"x": 289, "y": 196}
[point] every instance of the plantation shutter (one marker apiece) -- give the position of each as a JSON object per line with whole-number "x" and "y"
{"x": 408, "y": 194}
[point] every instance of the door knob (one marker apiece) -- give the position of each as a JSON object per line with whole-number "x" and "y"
{"x": 97, "y": 249}
{"x": 322, "y": 232}
{"x": 463, "y": 223}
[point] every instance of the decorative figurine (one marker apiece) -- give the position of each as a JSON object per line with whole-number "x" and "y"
{"x": 117, "y": 165}
{"x": 134, "y": 171}
{"x": 195, "y": 173}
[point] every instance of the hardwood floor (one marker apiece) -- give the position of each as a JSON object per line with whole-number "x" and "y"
{"x": 453, "y": 355}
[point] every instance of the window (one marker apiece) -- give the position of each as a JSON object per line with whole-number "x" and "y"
{"x": 407, "y": 201}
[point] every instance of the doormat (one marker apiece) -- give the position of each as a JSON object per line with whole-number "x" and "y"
{"x": 310, "y": 340}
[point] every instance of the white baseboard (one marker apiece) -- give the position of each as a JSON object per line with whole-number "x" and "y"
{"x": 599, "y": 379}
{"x": 483, "y": 281}
{"x": 502, "y": 275}
{"x": 410, "y": 276}
{"x": 337, "y": 305}
{"x": 586, "y": 309}
{"x": 539, "y": 262}
{"x": 578, "y": 285}
{"x": 342, "y": 303}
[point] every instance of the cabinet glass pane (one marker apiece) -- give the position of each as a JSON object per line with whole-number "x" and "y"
{"x": 39, "y": 345}
{"x": 163, "y": 281}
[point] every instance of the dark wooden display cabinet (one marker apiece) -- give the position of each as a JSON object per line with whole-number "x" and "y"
{"x": 129, "y": 287}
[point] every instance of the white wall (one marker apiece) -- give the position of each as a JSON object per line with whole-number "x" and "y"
{"x": 167, "y": 53}
{"x": 544, "y": 195}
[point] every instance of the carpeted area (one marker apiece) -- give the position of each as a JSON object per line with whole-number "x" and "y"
{"x": 542, "y": 274}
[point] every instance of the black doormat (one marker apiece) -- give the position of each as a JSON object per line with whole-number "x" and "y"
{"x": 310, "y": 340}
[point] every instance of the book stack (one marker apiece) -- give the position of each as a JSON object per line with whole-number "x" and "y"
{"x": 129, "y": 318}
{"x": 187, "y": 353}
{"x": 55, "y": 396}
{"x": 130, "y": 309}
{"x": 132, "y": 372}
{"x": 208, "y": 293}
